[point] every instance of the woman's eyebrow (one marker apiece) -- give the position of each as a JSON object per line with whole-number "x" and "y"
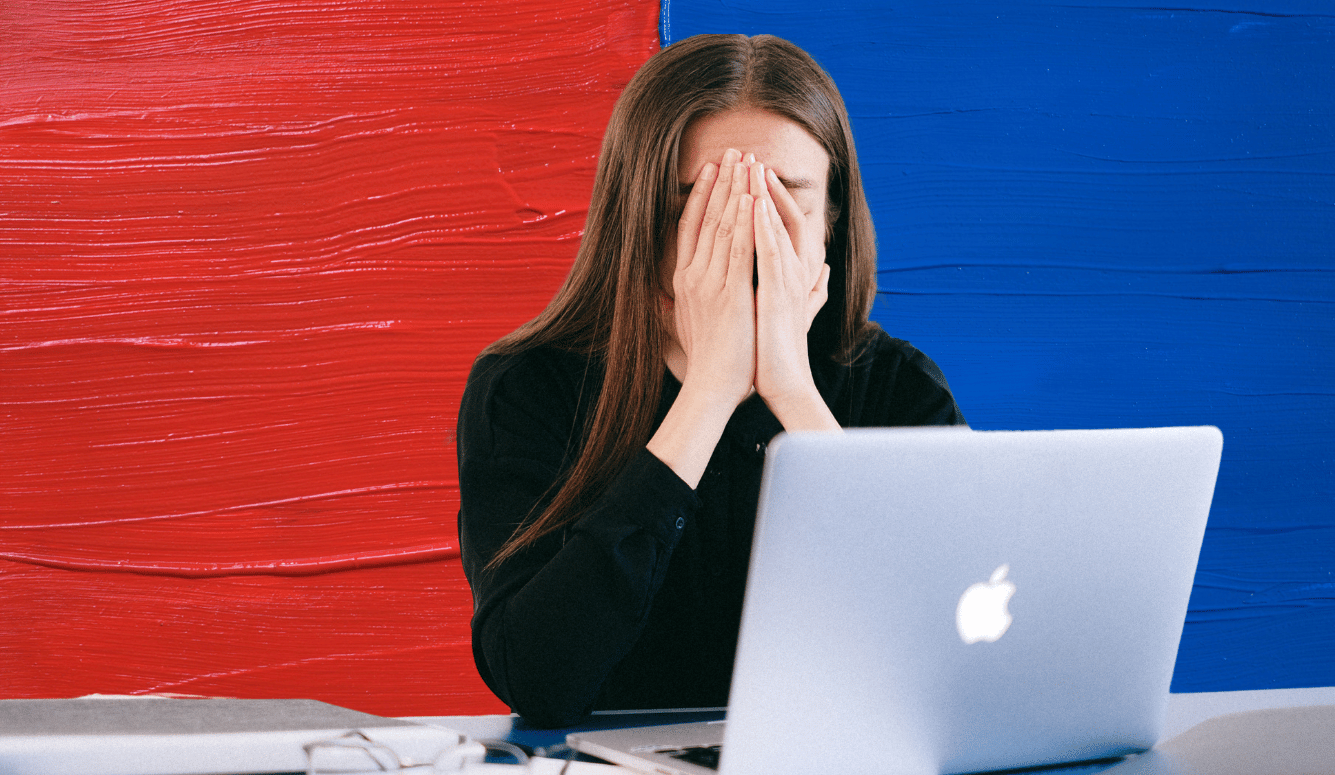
{"x": 792, "y": 184}
{"x": 795, "y": 183}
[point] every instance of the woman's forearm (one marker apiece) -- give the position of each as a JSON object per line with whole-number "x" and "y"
{"x": 690, "y": 431}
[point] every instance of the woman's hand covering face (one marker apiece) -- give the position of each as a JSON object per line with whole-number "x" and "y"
{"x": 792, "y": 287}
{"x": 738, "y": 219}
{"x": 713, "y": 304}
{"x": 746, "y": 274}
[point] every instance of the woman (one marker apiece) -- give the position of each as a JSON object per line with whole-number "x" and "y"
{"x": 610, "y": 450}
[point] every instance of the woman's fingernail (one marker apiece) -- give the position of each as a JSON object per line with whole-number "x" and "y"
{"x": 708, "y": 171}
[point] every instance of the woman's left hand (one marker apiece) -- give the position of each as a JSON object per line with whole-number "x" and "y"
{"x": 792, "y": 286}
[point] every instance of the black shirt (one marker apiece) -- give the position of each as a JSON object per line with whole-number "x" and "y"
{"x": 638, "y": 603}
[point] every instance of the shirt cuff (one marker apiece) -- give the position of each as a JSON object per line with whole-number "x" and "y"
{"x": 649, "y": 495}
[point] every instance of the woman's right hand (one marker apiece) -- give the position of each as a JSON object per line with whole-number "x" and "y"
{"x": 713, "y": 302}
{"x": 713, "y": 351}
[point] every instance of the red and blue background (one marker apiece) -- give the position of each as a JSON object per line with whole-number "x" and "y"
{"x": 248, "y": 251}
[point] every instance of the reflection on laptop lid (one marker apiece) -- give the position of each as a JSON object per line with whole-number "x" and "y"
{"x": 944, "y": 600}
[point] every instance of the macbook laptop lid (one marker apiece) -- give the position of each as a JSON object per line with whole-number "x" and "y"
{"x": 947, "y": 600}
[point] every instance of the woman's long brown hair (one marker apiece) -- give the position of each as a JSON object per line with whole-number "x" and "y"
{"x": 609, "y": 306}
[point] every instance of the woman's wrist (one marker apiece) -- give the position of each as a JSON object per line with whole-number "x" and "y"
{"x": 686, "y": 438}
{"x": 802, "y": 410}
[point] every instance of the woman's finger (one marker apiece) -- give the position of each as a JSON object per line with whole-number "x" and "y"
{"x": 790, "y": 220}
{"x": 789, "y": 210}
{"x": 769, "y": 256}
{"x": 820, "y": 294}
{"x": 756, "y": 181}
{"x": 743, "y": 250}
{"x": 725, "y": 230}
{"x": 693, "y": 214}
{"x": 720, "y": 194}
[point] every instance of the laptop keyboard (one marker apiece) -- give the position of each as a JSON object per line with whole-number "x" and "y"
{"x": 703, "y": 755}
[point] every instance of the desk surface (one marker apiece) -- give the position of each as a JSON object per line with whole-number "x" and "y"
{"x": 1187, "y": 710}
{"x": 1184, "y": 712}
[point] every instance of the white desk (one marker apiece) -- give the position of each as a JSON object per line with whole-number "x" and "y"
{"x": 1187, "y": 710}
{"x": 1184, "y": 712}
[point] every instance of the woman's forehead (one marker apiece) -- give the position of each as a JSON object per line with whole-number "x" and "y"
{"x": 779, "y": 143}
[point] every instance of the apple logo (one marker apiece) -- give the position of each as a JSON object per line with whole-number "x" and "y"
{"x": 982, "y": 614}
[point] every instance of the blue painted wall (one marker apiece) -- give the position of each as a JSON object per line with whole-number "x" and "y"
{"x": 1110, "y": 216}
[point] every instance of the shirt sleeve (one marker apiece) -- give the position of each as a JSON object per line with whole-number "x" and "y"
{"x": 551, "y": 623}
{"x": 925, "y": 394}
{"x": 905, "y": 388}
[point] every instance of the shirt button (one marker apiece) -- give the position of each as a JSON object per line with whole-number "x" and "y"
{"x": 681, "y": 522}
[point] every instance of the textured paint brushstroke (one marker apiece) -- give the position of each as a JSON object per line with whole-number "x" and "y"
{"x": 248, "y": 252}
{"x": 1109, "y": 215}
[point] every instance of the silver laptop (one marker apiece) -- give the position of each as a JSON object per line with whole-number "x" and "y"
{"x": 932, "y": 601}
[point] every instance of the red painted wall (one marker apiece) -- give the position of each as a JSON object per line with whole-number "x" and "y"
{"x": 248, "y": 251}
